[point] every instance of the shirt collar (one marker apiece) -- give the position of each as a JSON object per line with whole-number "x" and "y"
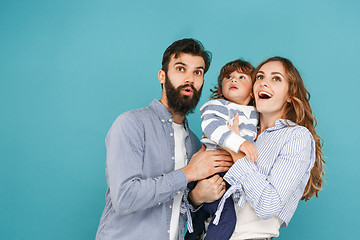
{"x": 164, "y": 114}
{"x": 282, "y": 123}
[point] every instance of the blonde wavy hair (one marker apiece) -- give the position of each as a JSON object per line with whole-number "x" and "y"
{"x": 299, "y": 111}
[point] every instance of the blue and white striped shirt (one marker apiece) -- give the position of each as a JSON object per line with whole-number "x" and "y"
{"x": 275, "y": 183}
{"x": 216, "y": 114}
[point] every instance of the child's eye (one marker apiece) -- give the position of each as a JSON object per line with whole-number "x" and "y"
{"x": 242, "y": 77}
{"x": 229, "y": 77}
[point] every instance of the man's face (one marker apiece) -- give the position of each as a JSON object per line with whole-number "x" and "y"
{"x": 183, "y": 82}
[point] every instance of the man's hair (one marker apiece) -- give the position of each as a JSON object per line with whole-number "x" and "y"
{"x": 189, "y": 46}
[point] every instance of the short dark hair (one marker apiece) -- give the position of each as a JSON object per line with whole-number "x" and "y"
{"x": 186, "y": 45}
{"x": 238, "y": 65}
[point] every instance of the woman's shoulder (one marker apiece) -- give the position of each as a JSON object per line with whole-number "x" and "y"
{"x": 298, "y": 131}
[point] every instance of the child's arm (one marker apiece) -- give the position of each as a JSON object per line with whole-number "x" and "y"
{"x": 246, "y": 147}
{"x": 214, "y": 125}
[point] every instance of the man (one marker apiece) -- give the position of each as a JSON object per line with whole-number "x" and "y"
{"x": 147, "y": 153}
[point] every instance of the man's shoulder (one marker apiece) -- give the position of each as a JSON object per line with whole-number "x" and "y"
{"x": 136, "y": 113}
{"x": 132, "y": 118}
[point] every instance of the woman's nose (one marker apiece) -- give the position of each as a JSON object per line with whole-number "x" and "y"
{"x": 264, "y": 83}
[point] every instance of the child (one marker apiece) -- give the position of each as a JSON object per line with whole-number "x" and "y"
{"x": 232, "y": 96}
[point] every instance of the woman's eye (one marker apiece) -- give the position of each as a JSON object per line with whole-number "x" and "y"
{"x": 277, "y": 79}
{"x": 259, "y": 77}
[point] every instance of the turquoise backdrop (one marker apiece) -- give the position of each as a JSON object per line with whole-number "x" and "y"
{"x": 69, "y": 68}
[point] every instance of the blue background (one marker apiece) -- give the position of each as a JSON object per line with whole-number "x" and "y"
{"x": 69, "y": 68}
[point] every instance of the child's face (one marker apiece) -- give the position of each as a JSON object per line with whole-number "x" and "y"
{"x": 237, "y": 87}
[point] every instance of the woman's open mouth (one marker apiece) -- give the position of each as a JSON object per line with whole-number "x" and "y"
{"x": 264, "y": 95}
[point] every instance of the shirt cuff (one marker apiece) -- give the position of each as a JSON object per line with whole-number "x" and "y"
{"x": 233, "y": 142}
{"x": 179, "y": 179}
{"x": 240, "y": 171}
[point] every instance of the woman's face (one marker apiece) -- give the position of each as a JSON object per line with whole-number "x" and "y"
{"x": 271, "y": 90}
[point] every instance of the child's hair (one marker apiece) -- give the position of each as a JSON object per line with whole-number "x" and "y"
{"x": 236, "y": 65}
{"x": 299, "y": 111}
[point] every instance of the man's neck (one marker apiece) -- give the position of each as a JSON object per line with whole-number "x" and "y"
{"x": 177, "y": 117}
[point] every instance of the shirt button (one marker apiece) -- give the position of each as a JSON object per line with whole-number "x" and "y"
{"x": 170, "y": 206}
{"x": 179, "y": 192}
{"x": 170, "y": 120}
{"x": 171, "y": 134}
{"x": 172, "y": 158}
{"x": 168, "y": 231}
{"x": 159, "y": 203}
{"x": 162, "y": 120}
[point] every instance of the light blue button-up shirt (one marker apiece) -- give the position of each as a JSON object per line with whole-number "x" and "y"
{"x": 140, "y": 175}
{"x": 274, "y": 184}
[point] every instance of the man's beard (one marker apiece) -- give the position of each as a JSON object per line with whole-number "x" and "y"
{"x": 178, "y": 102}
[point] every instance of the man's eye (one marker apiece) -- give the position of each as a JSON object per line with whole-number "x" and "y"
{"x": 198, "y": 73}
{"x": 181, "y": 69}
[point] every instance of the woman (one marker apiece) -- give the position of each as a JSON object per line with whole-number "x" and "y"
{"x": 290, "y": 163}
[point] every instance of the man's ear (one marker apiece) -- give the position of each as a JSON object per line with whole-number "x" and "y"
{"x": 161, "y": 76}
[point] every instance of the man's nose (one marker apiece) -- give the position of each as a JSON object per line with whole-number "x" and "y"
{"x": 190, "y": 79}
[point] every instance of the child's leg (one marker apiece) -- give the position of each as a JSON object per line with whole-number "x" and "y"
{"x": 226, "y": 225}
{"x": 198, "y": 219}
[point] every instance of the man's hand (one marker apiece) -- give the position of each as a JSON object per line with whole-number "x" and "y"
{"x": 206, "y": 163}
{"x": 207, "y": 190}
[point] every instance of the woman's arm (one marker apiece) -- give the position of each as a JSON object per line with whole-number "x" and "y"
{"x": 282, "y": 188}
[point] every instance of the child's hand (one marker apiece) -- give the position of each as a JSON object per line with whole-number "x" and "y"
{"x": 249, "y": 149}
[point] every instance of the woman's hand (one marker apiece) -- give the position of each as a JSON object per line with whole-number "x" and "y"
{"x": 207, "y": 190}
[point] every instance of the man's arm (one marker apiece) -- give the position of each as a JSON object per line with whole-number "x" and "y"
{"x": 130, "y": 189}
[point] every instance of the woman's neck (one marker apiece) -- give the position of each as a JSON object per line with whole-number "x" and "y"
{"x": 268, "y": 121}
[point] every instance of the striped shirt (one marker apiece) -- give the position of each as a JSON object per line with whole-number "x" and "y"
{"x": 217, "y": 114}
{"x": 275, "y": 183}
